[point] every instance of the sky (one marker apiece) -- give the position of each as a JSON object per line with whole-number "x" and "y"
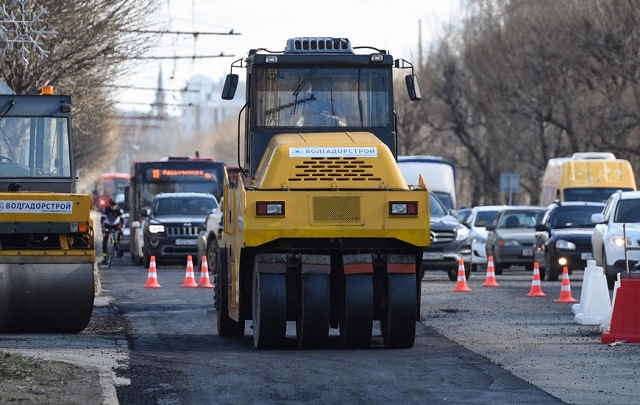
{"x": 384, "y": 24}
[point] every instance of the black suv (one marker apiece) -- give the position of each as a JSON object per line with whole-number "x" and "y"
{"x": 172, "y": 225}
{"x": 450, "y": 242}
{"x": 564, "y": 237}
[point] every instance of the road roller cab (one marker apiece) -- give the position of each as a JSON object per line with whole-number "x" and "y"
{"x": 46, "y": 234}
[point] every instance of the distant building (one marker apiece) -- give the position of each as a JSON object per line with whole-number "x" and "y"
{"x": 203, "y": 109}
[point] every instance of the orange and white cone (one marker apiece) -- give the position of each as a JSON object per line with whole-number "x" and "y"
{"x": 204, "y": 274}
{"x": 565, "y": 289}
{"x": 152, "y": 278}
{"x": 536, "y": 286}
{"x": 461, "y": 283}
{"x": 190, "y": 277}
{"x": 491, "y": 274}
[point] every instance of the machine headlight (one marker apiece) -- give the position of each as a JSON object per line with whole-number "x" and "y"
{"x": 462, "y": 233}
{"x": 479, "y": 239}
{"x": 156, "y": 228}
{"x": 565, "y": 244}
{"x": 508, "y": 243}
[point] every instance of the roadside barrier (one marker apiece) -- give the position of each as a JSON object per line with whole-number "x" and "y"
{"x": 624, "y": 318}
{"x": 490, "y": 281}
{"x": 190, "y": 277}
{"x": 536, "y": 286}
{"x": 565, "y": 289}
{"x": 586, "y": 281}
{"x": 152, "y": 278}
{"x": 204, "y": 274}
{"x": 461, "y": 283}
{"x": 595, "y": 304}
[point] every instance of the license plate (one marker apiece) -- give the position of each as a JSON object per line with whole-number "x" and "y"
{"x": 587, "y": 256}
{"x": 527, "y": 252}
{"x": 186, "y": 242}
{"x": 432, "y": 256}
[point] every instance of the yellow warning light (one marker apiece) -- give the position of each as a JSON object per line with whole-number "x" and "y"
{"x": 47, "y": 91}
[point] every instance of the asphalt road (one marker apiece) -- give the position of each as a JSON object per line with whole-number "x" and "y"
{"x": 176, "y": 357}
{"x": 490, "y": 345}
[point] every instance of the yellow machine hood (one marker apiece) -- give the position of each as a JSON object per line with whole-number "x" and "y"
{"x": 343, "y": 160}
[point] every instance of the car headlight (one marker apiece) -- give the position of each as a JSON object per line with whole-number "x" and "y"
{"x": 479, "y": 239}
{"x": 565, "y": 244}
{"x": 156, "y": 228}
{"x": 508, "y": 243}
{"x": 618, "y": 240}
{"x": 462, "y": 233}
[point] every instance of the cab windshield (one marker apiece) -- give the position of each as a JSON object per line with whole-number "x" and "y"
{"x": 315, "y": 96}
{"x": 34, "y": 147}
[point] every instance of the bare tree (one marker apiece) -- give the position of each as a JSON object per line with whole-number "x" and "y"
{"x": 94, "y": 44}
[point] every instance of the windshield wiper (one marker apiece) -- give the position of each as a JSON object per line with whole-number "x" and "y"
{"x": 305, "y": 80}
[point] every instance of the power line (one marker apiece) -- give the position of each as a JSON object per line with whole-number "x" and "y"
{"x": 221, "y": 55}
{"x": 155, "y": 104}
{"x": 194, "y": 33}
{"x": 151, "y": 88}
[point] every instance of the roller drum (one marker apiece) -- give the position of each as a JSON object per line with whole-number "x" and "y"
{"x": 45, "y": 298}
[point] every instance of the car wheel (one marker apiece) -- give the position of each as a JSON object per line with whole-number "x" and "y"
{"x": 453, "y": 274}
{"x": 552, "y": 274}
{"x": 146, "y": 260}
{"x": 467, "y": 270}
{"x": 611, "y": 279}
{"x": 497, "y": 268}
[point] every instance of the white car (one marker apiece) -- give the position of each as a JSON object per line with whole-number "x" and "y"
{"x": 208, "y": 240}
{"x": 622, "y": 208}
{"x": 478, "y": 219}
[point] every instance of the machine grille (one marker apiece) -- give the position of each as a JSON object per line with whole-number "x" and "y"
{"x": 182, "y": 231}
{"x": 333, "y": 169}
{"x": 336, "y": 209}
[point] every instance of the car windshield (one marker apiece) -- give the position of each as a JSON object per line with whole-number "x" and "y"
{"x": 590, "y": 194}
{"x": 484, "y": 218}
{"x": 520, "y": 219}
{"x": 574, "y": 217}
{"x": 184, "y": 206}
{"x": 436, "y": 209}
{"x": 628, "y": 211}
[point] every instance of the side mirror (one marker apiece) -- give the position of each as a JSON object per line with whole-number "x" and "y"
{"x": 413, "y": 88}
{"x": 541, "y": 228}
{"x": 230, "y": 86}
{"x": 490, "y": 228}
{"x": 144, "y": 212}
{"x": 597, "y": 218}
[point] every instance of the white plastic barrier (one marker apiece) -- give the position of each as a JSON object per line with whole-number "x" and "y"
{"x": 597, "y": 304}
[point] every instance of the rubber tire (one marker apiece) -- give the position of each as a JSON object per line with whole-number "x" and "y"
{"x": 398, "y": 321}
{"x": 552, "y": 272}
{"x": 226, "y": 327}
{"x": 497, "y": 268}
{"x": 356, "y": 312}
{"x": 146, "y": 260}
{"x": 312, "y": 325}
{"x": 611, "y": 280}
{"x": 212, "y": 253}
{"x": 269, "y": 310}
{"x": 453, "y": 274}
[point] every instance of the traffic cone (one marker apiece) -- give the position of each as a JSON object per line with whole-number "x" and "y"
{"x": 565, "y": 290}
{"x": 204, "y": 274}
{"x": 536, "y": 286}
{"x": 190, "y": 277}
{"x": 152, "y": 279}
{"x": 491, "y": 274}
{"x": 461, "y": 284}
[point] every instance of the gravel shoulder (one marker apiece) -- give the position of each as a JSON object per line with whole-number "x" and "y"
{"x": 536, "y": 339}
